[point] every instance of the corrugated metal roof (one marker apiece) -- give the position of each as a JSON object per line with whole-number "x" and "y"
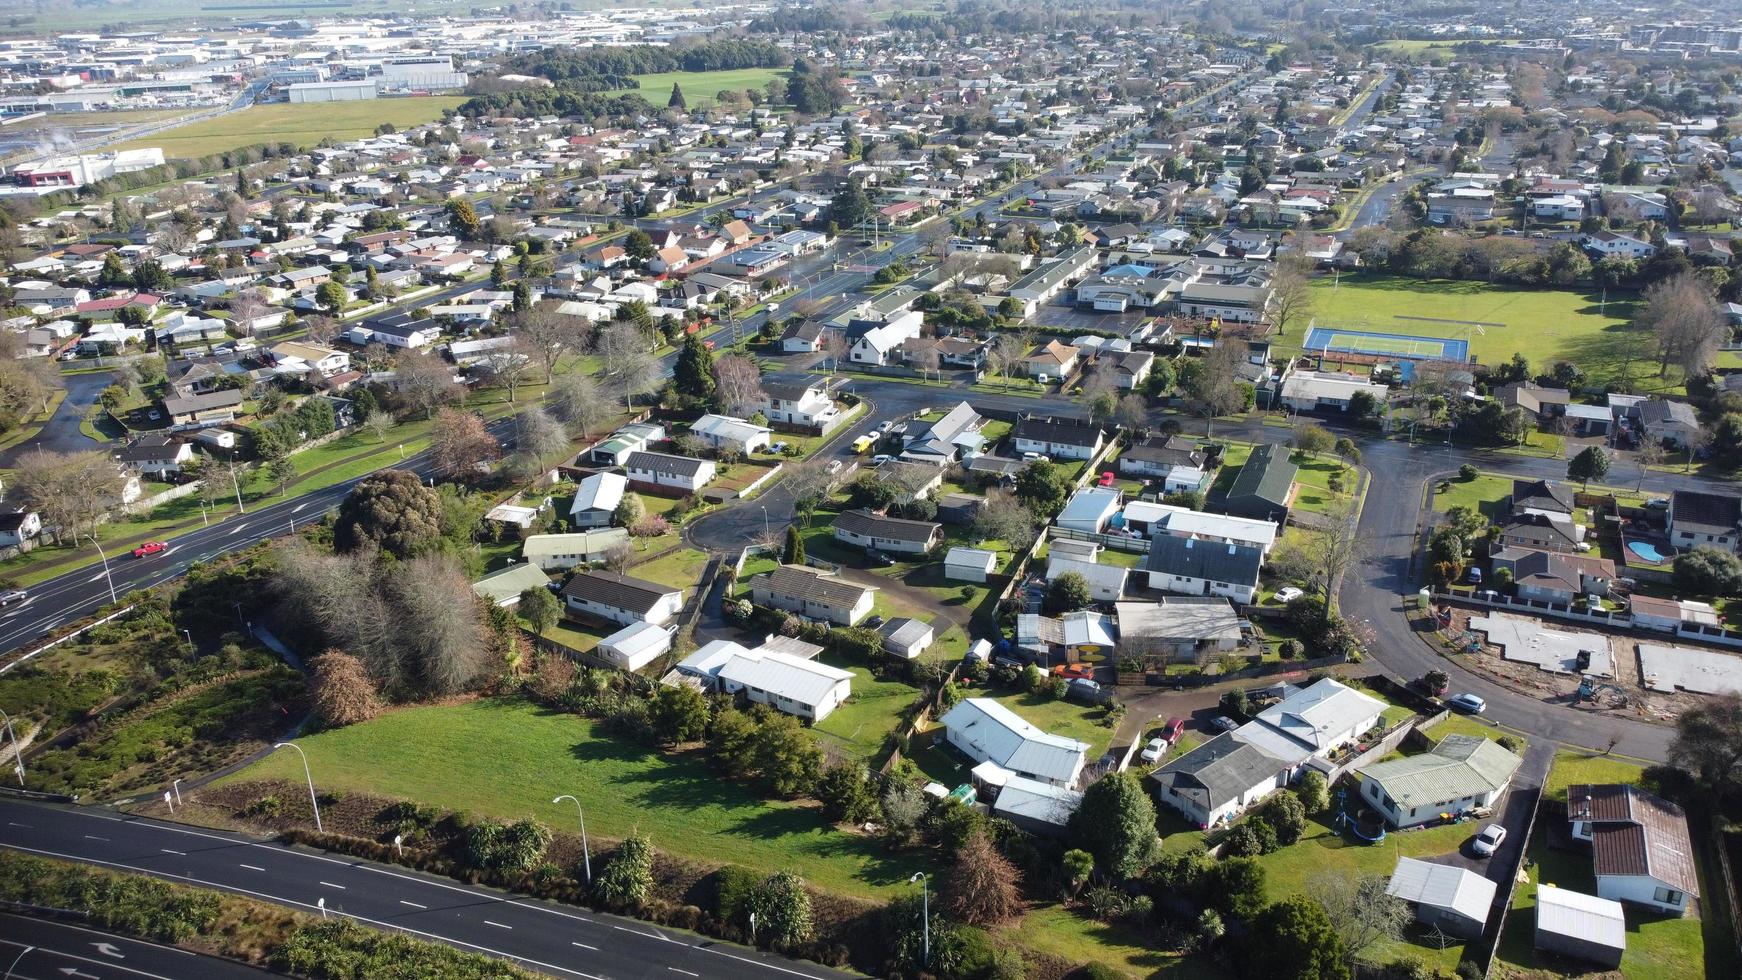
{"x": 1459, "y": 766}
{"x": 1581, "y": 916}
{"x": 1442, "y": 886}
{"x": 1007, "y": 739}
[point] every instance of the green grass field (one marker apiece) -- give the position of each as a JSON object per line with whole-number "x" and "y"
{"x": 699, "y": 86}
{"x": 304, "y": 125}
{"x": 861, "y": 726}
{"x": 507, "y": 759}
{"x": 1545, "y": 325}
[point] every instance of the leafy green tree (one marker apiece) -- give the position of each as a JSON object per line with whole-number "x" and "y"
{"x": 1709, "y": 571}
{"x": 846, "y": 793}
{"x": 790, "y": 760}
{"x": 1077, "y": 866}
{"x": 1116, "y": 823}
{"x": 679, "y": 713}
{"x": 638, "y": 245}
{"x": 1285, "y": 814}
{"x": 628, "y": 876}
{"x": 783, "y": 910}
{"x": 315, "y": 415}
{"x": 850, "y": 206}
{"x": 392, "y": 510}
{"x": 1235, "y": 887}
{"x": 331, "y": 295}
{"x": 1068, "y": 593}
{"x": 539, "y": 608}
{"x": 498, "y": 275}
{"x": 792, "y": 553}
{"x": 1592, "y": 463}
{"x": 630, "y": 510}
{"x": 732, "y": 739}
{"x": 150, "y": 277}
{"x": 1314, "y": 792}
{"x": 114, "y": 274}
{"x": 677, "y": 100}
{"x": 1043, "y": 486}
{"x": 693, "y": 374}
{"x": 463, "y": 218}
{"x": 1295, "y": 940}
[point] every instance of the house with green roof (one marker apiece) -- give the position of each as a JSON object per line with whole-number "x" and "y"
{"x": 503, "y": 587}
{"x": 1261, "y": 488}
{"x": 1461, "y": 773}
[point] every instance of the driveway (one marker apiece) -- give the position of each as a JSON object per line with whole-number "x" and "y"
{"x": 61, "y": 433}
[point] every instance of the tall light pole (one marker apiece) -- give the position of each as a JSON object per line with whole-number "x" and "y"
{"x": 924, "y": 912}
{"x": 17, "y": 749}
{"x": 106, "y": 575}
{"x": 311, "y": 781}
{"x": 586, "y": 852}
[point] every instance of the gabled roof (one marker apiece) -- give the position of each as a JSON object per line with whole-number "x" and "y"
{"x": 1321, "y": 711}
{"x": 1459, "y": 766}
{"x": 1058, "y": 430}
{"x": 617, "y": 590}
{"x": 601, "y": 491}
{"x": 804, "y": 582}
{"x": 871, "y": 525}
{"x": 794, "y": 678}
{"x": 1636, "y": 833}
{"x": 1266, "y": 475}
{"x": 1699, "y": 507}
{"x": 1224, "y": 768}
{"x": 1012, "y": 742}
{"x": 1211, "y": 561}
{"x": 509, "y": 582}
{"x": 665, "y": 463}
{"x": 1442, "y": 886}
{"x": 1541, "y": 495}
{"x": 1177, "y": 619}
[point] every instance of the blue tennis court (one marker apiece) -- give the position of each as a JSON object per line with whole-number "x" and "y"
{"x": 1331, "y": 340}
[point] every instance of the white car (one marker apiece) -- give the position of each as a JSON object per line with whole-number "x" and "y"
{"x": 1288, "y": 594}
{"x": 881, "y": 458}
{"x": 1489, "y": 840}
{"x": 1153, "y": 752}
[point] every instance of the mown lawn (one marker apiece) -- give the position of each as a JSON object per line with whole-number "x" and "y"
{"x": 1545, "y": 325}
{"x": 302, "y": 124}
{"x": 698, "y": 86}
{"x": 1484, "y": 494}
{"x": 1313, "y": 482}
{"x": 861, "y": 726}
{"x": 1060, "y": 717}
{"x": 506, "y": 759}
{"x": 682, "y": 569}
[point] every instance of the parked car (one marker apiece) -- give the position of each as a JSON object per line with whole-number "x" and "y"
{"x": 1031, "y": 457}
{"x": 1083, "y": 689}
{"x": 833, "y": 467}
{"x": 1173, "y": 730}
{"x": 1467, "y": 703}
{"x": 777, "y": 448}
{"x": 873, "y": 622}
{"x": 1288, "y": 594}
{"x": 10, "y": 596}
{"x": 150, "y": 548}
{"x": 1106, "y": 478}
{"x": 1074, "y": 670}
{"x": 881, "y": 458}
{"x": 1225, "y": 723}
{"x": 1153, "y": 752}
{"x": 1489, "y": 840}
{"x": 879, "y": 559}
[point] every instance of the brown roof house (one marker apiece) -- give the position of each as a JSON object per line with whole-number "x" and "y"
{"x": 1641, "y": 849}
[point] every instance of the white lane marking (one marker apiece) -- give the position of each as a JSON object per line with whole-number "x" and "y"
{"x": 331, "y": 885}
{"x": 11, "y": 823}
{"x": 251, "y": 867}
{"x": 74, "y": 971}
{"x": 585, "y": 946}
{"x": 412, "y": 904}
{"x": 177, "y": 853}
{"x": 497, "y": 924}
{"x": 95, "y": 837}
{"x": 684, "y": 972}
{"x": 302, "y": 905}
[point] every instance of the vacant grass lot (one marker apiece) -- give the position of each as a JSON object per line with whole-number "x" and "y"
{"x": 507, "y": 759}
{"x": 303, "y": 125}
{"x": 861, "y": 726}
{"x": 1545, "y": 325}
{"x": 701, "y": 85}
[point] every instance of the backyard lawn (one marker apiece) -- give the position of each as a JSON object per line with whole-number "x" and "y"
{"x": 1060, "y": 717}
{"x": 302, "y": 124}
{"x": 682, "y": 569}
{"x": 1545, "y": 325}
{"x": 861, "y": 726}
{"x": 507, "y": 758}
{"x": 1484, "y": 495}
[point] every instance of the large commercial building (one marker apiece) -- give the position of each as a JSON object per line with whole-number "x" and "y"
{"x": 86, "y": 168}
{"x": 332, "y": 91}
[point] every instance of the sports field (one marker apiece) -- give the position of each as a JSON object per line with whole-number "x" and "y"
{"x": 1399, "y": 345}
{"x": 1545, "y": 325}
{"x": 305, "y": 124}
{"x": 702, "y": 86}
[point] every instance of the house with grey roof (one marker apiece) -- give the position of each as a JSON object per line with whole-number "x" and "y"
{"x": 987, "y": 731}
{"x": 620, "y": 599}
{"x": 1220, "y": 778}
{"x": 1206, "y": 568}
{"x": 663, "y": 471}
{"x": 1261, "y": 489}
{"x": 1697, "y": 517}
{"x": 944, "y": 440}
{"x": 504, "y": 586}
{"x": 813, "y": 592}
{"x": 1176, "y": 628}
{"x": 874, "y": 532}
{"x": 1461, "y": 773}
{"x": 1672, "y": 422}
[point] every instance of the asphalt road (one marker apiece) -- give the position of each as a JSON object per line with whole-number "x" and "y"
{"x": 559, "y": 940}
{"x": 61, "y": 432}
{"x": 42, "y": 949}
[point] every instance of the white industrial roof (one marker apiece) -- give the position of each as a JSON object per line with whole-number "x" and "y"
{"x": 1586, "y": 917}
{"x": 1442, "y": 886}
{"x": 601, "y": 491}
{"x": 1007, "y": 739}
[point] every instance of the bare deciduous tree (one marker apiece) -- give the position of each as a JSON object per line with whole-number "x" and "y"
{"x": 546, "y": 335}
{"x": 738, "y": 385}
{"x": 927, "y": 361}
{"x": 1360, "y": 909}
{"x": 377, "y": 423}
{"x": 460, "y": 445}
{"x": 1291, "y": 293}
{"x": 626, "y": 363}
{"x": 507, "y": 365}
{"x": 439, "y": 623}
{"x": 575, "y": 400}
{"x": 539, "y": 435}
{"x": 1683, "y": 315}
{"x": 1007, "y": 519}
{"x": 425, "y": 381}
{"x": 834, "y": 347}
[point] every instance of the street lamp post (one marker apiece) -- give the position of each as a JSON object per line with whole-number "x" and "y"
{"x": 586, "y": 851}
{"x": 17, "y": 750}
{"x": 924, "y": 912}
{"x": 105, "y": 558}
{"x": 311, "y": 781}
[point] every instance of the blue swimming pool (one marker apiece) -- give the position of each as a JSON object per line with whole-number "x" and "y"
{"x": 1645, "y": 550}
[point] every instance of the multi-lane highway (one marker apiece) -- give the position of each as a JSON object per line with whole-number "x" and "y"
{"x": 554, "y": 939}
{"x": 40, "y": 949}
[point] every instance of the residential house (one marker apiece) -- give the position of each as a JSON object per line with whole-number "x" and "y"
{"x": 663, "y": 471}
{"x": 211, "y": 408}
{"x": 504, "y": 586}
{"x": 1089, "y": 510}
{"x": 1673, "y": 423}
{"x": 17, "y": 527}
{"x": 806, "y": 405}
{"x": 324, "y": 361}
{"x": 616, "y": 448}
{"x": 1551, "y": 576}
{"x": 1047, "y": 281}
{"x": 1460, "y": 773}
{"x": 553, "y": 552}
{"x": 1451, "y": 899}
{"x": 1263, "y": 486}
{"x": 802, "y": 337}
{"x": 1176, "y": 628}
{"x": 969, "y": 565}
{"x": 1069, "y": 637}
{"x": 1052, "y": 361}
{"x": 1057, "y": 437}
{"x": 1175, "y": 461}
{"x": 1194, "y": 567}
{"x": 596, "y": 499}
{"x": 617, "y": 598}
{"x": 1106, "y": 582}
{"x": 1036, "y": 807}
{"x": 402, "y": 333}
{"x": 728, "y": 434}
{"x": 1230, "y": 303}
{"x": 156, "y": 455}
{"x": 986, "y": 731}
{"x": 1539, "y": 497}
{"x": 879, "y": 343}
{"x": 814, "y": 593}
{"x": 1156, "y": 520}
{"x": 1307, "y": 391}
{"x": 796, "y": 685}
{"x": 1541, "y": 532}
{"x": 1640, "y": 846}
{"x": 945, "y": 440}
{"x": 892, "y": 535}
{"x": 1606, "y": 243}
{"x": 634, "y": 646}
{"x": 1538, "y": 402}
{"x": 1697, "y": 518}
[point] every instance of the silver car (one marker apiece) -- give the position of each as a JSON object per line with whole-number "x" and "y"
{"x": 1489, "y": 840}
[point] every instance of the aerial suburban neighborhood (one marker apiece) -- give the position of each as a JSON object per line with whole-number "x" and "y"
{"x": 933, "y": 489}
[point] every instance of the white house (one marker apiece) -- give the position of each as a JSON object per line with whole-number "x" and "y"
{"x": 1607, "y": 243}
{"x": 1460, "y": 773}
{"x": 987, "y": 731}
{"x": 596, "y": 499}
{"x": 813, "y": 592}
{"x": 788, "y": 683}
{"x": 799, "y": 404}
{"x": 1166, "y": 520}
{"x": 553, "y": 552}
{"x": 1306, "y": 391}
{"x": 634, "y": 646}
{"x": 724, "y": 433}
{"x": 888, "y": 534}
{"x": 20, "y": 526}
{"x": 1106, "y": 582}
{"x": 1641, "y": 850}
{"x": 665, "y": 470}
{"x": 1089, "y": 510}
{"x": 620, "y": 599}
{"x": 1057, "y": 438}
{"x": 879, "y": 344}
{"x": 1192, "y": 567}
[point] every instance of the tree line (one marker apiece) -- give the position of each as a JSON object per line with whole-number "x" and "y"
{"x": 566, "y": 64}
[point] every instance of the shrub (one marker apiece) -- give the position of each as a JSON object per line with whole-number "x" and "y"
{"x": 783, "y": 910}
{"x": 1243, "y": 841}
{"x": 733, "y": 887}
{"x": 1285, "y": 815}
{"x": 628, "y": 876}
{"x": 1468, "y": 472}
{"x": 1314, "y": 792}
{"x": 1104, "y": 903}
{"x": 1512, "y": 743}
